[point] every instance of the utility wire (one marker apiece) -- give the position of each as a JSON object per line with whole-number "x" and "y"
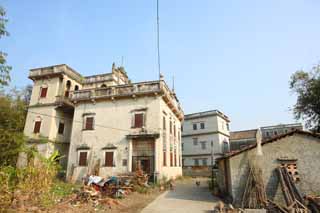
{"x": 158, "y": 38}
{"x": 81, "y": 122}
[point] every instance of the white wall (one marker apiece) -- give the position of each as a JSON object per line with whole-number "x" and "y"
{"x": 112, "y": 125}
{"x": 215, "y": 131}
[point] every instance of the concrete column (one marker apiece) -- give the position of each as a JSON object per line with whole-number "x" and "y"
{"x": 130, "y": 156}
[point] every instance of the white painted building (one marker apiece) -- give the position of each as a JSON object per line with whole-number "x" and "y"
{"x": 205, "y": 137}
{"x": 105, "y": 124}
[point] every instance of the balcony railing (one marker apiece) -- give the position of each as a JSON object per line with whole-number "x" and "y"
{"x": 128, "y": 90}
{"x": 117, "y": 91}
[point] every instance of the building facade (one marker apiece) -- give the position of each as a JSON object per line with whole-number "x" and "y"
{"x": 240, "y": 139}
{"x": 104, "y": 124}
{"x": 205, "y": 136}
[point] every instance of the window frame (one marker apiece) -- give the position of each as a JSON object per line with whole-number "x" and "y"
{"x": 59, "y": 126}
{"x": 164, "y": 158}
{"x": 85, "y": 127}
{"x": 37, "y": 130}
{"x": 124, "y": 162}
{"x": 203, "y": 145}
{"x": 43, "y": 91}
{"x": 106, "y": 164}
{"x": 205, "y": 162}
{"x": 195, "y": 126}
{"x": 196, "y": 162}
{"x": 195, "y": 141}
{"x": 143, "y": 121}
{"x": 79, "y": 158}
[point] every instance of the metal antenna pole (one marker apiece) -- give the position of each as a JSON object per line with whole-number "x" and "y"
{"x": 158, "y": 38}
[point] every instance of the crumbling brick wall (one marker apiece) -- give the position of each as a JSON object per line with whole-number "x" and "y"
{"x": 305, "y": 149}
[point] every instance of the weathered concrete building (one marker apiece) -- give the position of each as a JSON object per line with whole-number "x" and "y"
{"x": 297, "y": 150}
{"x": 205, "y": 137}
{"x": 104, "y": 123}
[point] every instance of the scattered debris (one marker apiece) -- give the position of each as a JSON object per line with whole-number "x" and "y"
{"x": 99, "y": 191}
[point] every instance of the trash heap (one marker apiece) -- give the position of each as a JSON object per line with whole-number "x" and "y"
{"x": 105, "y": 191}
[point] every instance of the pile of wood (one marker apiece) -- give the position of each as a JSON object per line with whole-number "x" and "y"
{"x": 293, "y": 198}
{"x": 313, "y": 203}
{"x": 254, "y": 196}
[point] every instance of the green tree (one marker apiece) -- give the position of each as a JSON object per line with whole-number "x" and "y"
{"x": 12, "y": 121}
{"x": 4, "y": 68}
{"x": 307, "y": 87}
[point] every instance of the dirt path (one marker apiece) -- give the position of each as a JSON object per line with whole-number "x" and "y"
{"x": 187, "y": 197}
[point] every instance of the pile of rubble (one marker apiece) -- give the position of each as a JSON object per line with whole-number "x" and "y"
{"x": 105, "y": 191}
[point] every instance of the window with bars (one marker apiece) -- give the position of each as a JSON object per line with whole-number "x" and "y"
{"x": 89, "y": 123}
{"x": 138, "y": 121}
{"x": 61, "y": 128}
{"x": 83, "y": 158}
{"x": 37, "y": 126}
{"x": 109, "y": 159}
{"x": 43, "y": 92}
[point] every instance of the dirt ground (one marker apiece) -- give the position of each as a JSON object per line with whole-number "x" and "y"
{"x": 132, "y": 203}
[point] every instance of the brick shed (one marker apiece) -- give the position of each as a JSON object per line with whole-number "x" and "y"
{"x": 297, "y": 150}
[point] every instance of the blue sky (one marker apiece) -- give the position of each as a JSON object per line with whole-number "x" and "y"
{"x": 235, "y": 56}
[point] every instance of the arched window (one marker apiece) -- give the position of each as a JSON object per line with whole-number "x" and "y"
{"x": 76, "y": 87}
{"x": 103, "y": 86}
{"x": 68, "y": 85}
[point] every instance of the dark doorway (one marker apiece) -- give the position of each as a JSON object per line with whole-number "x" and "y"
{"x": 143, "y": 155}
{"x": 146, "y": 164}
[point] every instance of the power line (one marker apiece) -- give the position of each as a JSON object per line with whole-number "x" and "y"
{"x": 81, "y": 122}
{"x": 158, "y": 38}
